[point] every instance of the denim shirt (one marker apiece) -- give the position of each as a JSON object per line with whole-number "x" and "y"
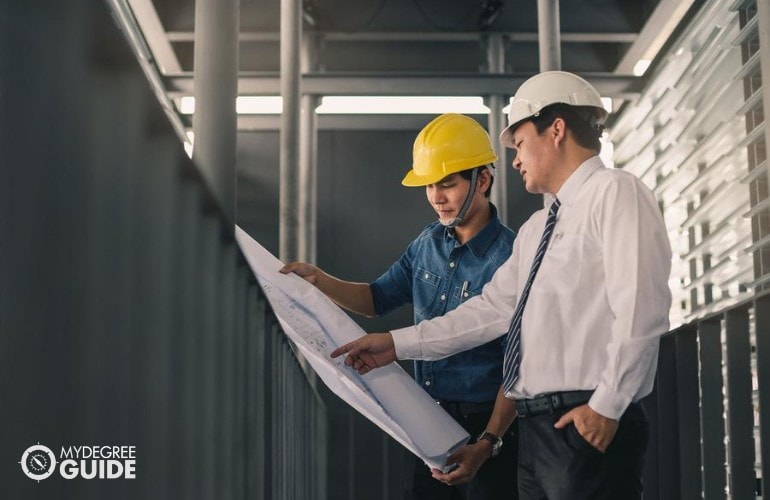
{"x": 436, "y": 274}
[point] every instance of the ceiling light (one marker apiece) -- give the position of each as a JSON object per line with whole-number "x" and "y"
{"x": 414, "y": 105}
{"x": 259, "y": 105}
{"x": 641, "y": 66}
{"x": 244, "y": 105}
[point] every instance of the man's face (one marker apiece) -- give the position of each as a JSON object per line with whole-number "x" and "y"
{"x": 447, "y": 196}
{"x": 534, "y": 155}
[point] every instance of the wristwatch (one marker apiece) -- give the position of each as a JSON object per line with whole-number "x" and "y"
{"x": 497, "y": 442}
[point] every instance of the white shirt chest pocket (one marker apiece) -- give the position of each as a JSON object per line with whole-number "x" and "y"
{"x": 563, "y": 264}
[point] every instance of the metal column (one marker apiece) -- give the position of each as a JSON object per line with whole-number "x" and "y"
{"x": 762, "y": 330}
{"x": 711, "y": 410}
{"x": 548, "y": 34}
{"x": 291, "y": 32}
{"x": 308, "y": 159}
{"x": 740, "y": 412}
{"x": 216, "y": 88}
{"x": 496, "y": 124}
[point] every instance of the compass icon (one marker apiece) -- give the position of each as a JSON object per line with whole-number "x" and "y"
{"x": 38, "y": 462}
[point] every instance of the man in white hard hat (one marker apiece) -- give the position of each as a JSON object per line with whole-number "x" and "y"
{"x": 446, "y": 265}
{"x": 584, "y": 298}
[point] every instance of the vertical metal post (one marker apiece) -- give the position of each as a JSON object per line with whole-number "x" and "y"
{"x": 496, "y": 124}
{"x": 308, "y": 159}
{"x": 712, "y": 410}
{"x": 740, "y": 412}
{"x": 548, "y": 34}
{"x": 687, "y": 411}
{"x": 762, "y": 328}
{"x": 215, "y": 122}
{"x": 291, "y": 32}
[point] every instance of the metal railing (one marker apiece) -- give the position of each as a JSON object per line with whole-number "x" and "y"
{"x": 709, "y": 410}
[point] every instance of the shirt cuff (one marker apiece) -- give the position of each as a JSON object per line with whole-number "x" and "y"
{"x": 608, "y": 403}
{"x": 406, "y": 342}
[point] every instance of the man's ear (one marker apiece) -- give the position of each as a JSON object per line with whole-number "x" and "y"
{"x": 484, "y": 179}
{"x": 558, "y": 131}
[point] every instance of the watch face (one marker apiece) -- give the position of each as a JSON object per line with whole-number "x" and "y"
{"x": 38, "y": 462}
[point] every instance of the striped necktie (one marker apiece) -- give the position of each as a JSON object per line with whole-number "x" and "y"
{"x": 512, "y": 351}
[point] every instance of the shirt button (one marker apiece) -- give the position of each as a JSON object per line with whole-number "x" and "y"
{"x": 443, "y": 297}
{"x": 465, "y": 294}
{"x": 427, "y": 382}
{"x": 451, "y": 264}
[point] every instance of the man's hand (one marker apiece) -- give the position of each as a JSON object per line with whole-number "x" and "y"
{"x": 596, "y": 429}
{"x": 306, "y": 271}
{"x": 469, "y": 460}
{"x": 368, "y": 352}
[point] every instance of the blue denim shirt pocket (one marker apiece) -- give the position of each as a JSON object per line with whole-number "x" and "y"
{"x": 425, "y": 292}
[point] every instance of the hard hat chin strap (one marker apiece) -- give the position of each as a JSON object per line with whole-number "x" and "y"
{"x": 466, "y": 205}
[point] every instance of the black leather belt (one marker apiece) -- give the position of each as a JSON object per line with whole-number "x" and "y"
{"x": 466, "y": 408}
{"x": 551, "y": 403}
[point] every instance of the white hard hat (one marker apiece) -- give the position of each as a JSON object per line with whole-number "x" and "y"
{"x": 548, "y": 88}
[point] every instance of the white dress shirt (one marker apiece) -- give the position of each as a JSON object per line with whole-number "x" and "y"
{"x": 597, "y": 307}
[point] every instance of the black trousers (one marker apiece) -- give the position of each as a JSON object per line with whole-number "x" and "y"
{"x": 496, "y": 479}
{"x": 558, "y": 464}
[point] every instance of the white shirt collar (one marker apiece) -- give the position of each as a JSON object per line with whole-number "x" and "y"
{"x": 571, "y": 186}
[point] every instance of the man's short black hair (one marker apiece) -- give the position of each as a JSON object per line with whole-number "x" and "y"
{"x": 578, "y": 120}
{"x": 466, "y": 174}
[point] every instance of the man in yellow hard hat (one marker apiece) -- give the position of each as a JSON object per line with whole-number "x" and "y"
{"x": 447, "y": 264}
{"x": 584, "y": 298}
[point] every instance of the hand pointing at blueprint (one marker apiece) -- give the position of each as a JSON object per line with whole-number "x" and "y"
{"x": 387, "y": 396}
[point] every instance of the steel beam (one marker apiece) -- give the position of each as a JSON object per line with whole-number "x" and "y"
{"x": 419, "y": 36}
{"x": 149, "y": 22}
{"x": 656, "y": 31}
{"x": 608, "y": 84}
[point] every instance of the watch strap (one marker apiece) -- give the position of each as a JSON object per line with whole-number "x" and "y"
{"x": 496, "y": 441}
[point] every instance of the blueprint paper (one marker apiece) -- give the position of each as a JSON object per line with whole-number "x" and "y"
{"x": 387, "y": 396}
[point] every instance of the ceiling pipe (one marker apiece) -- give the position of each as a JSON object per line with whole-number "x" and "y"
{"x": 289, "y": 176}
{"x": 496, "y": 124}
{"x": 549, "y": 35}
{"x": 215, "y": 121}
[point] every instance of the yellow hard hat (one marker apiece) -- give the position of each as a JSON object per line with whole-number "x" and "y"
{"x": 449, "y": 144}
